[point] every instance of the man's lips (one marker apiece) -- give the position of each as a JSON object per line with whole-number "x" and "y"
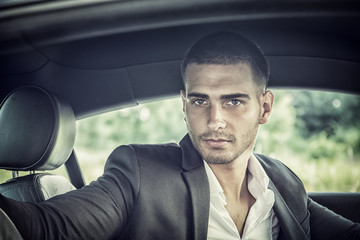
{"x": 215, "y": 142}
{"x": 216, "y": 139}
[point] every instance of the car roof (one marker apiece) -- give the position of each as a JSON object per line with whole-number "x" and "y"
{"x": 105, "y": 55}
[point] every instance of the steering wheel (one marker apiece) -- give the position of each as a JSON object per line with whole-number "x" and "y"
{"x": 8, "y": 230}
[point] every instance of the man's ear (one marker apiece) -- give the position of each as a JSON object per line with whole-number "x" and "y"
{"x": 183, "y": 98}
{"x": 267, "y": 100}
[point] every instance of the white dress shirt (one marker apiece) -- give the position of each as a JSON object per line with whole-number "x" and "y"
{"x": 261, "y": 222}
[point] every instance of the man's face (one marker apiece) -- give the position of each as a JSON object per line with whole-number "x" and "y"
{"x": 223, "y": 109}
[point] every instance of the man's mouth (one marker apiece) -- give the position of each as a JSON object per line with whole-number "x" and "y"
{"x": 217, "y": 139}
{"x": 216, "y": 142}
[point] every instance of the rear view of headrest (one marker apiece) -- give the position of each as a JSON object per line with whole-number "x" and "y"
{"x": 37, "y": 130}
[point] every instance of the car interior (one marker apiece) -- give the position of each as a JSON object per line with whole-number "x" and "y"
{"x": 32, "y": 115}
{"x": 62, "y": 61}
{"x": 11, "y": 232}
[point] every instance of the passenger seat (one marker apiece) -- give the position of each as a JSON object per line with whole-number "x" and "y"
{"x": 37, "y": 132}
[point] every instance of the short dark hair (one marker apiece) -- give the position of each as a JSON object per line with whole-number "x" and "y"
{"x": 227, "y": 48}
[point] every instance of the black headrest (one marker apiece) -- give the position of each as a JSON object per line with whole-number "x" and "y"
{"x": 37, "y": 130}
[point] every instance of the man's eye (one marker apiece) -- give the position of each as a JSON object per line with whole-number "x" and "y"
{"x": 234, "y": 102}
{"x": 199, "y": 101}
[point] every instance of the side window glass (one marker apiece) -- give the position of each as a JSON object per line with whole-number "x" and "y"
{"x": 317, "y": 135}
{"x": 98, "y": 136}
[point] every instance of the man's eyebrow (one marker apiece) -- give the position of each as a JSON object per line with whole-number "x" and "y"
{"x": 198, "y": 95}
{"x": 223, "y": 97}
{"x": 235, "y": 95}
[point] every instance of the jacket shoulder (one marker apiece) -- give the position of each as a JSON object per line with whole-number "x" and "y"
{"x": 163, "y": 154}
{"x": 278, "y": 172}
{"x": 158, "y": 152}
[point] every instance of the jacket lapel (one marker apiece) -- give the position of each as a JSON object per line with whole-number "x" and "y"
{"x": 195, "y": 177}
{"x": 200, "y": 202}
{"x": 198, "y": 185}
{"x": 289, "y": 226}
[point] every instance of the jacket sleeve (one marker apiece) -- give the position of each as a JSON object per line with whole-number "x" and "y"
{"x": 97, "y": 211}
{"x": 325, "y": 224}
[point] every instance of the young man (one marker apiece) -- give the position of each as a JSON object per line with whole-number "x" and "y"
{"x": 211, "y": 186}
{"x": 224, "y": 102}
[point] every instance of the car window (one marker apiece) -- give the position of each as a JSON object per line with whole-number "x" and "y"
{"x": 98, "y": 136}
{"x": 315, "y": 133}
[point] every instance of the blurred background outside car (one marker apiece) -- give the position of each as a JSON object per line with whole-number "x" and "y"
{"x": 315, "y": 133}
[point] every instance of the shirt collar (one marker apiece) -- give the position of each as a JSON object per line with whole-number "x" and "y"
{"x": 214, "y": 184}
{"x": 256, "y": 177}
{"x": 259, "y": 216}
{"x": 258, "y": 181}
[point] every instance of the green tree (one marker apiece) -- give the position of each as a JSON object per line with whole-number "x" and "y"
{"x": 325, "y": 111}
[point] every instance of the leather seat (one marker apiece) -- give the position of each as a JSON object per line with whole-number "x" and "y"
{"x": 8, "y": 230}
{"x": 37, "y": 132}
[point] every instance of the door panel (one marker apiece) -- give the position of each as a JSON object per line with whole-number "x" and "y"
{"x": 345, "y": 204}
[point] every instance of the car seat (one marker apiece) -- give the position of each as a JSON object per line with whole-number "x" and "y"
{"x": 37, "y": 132}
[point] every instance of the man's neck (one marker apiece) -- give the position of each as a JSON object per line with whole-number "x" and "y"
{"x": 233, "y": 180}
{"x": 232, "y": 176}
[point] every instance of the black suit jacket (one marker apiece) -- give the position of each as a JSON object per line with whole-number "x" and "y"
{"x": 162, "y": 192}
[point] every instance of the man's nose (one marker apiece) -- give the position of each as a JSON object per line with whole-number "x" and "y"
{"x": 216, "y": 118}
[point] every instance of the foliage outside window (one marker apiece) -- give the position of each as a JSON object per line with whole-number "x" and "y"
{"x": 316, "y": 134}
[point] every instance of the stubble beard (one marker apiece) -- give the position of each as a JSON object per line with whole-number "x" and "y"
{"x": 220, "y": 155}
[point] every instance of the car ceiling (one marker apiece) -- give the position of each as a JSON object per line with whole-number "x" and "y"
{"x": 102, "y": 56}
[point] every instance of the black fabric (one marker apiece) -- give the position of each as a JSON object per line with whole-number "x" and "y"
{"x": 161, "y": 192}
{"x": 74, "y": 171}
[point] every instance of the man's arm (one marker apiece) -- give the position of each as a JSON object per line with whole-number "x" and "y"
{"x": 325, "y": 224}
{"x": 97, "y": 211}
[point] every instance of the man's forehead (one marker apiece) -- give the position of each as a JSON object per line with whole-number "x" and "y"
{"x": 212, "y": 76}
{"x": 234, "y": 77}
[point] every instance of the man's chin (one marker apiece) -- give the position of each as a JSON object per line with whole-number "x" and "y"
{"x": 218, "y": 160}
{"x": 216, "y": 156}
